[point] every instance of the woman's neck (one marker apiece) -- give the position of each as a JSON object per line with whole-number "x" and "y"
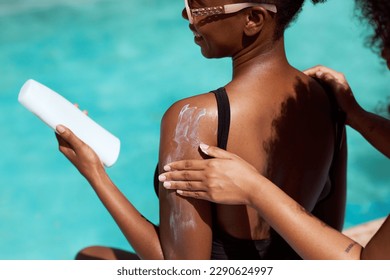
{"x": 259, "y": 59}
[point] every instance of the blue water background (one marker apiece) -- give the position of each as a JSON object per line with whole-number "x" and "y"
{"x": 126, "y": 62}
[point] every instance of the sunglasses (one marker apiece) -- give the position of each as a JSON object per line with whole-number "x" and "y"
{"x": 225, "y": 9}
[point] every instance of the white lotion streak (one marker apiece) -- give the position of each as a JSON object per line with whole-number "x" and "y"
{"x": 187, "y": 127}
{"x": 186, "y": 133}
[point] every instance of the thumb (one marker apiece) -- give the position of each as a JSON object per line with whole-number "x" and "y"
{"x": 68, "y": 136}
{"x": 215, "y": 151}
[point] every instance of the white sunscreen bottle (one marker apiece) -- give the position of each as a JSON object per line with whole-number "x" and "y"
{"x": 54, "y": 109}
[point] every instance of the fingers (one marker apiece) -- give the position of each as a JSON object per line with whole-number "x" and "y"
{"x": 319, "y": 70}
{"x": 181, "y": 176}
{"x": 185, "y": 185}
{"x": 336, "y": 80}
{"x": 190, "y": 164}
{"x": 194, "y": 189}
{"x": 190, "y": 189}
{"x": 215, "y": 151}
{"x": 78, "y": 107}
{"x": 312, "y": 71}
{"x": 65, "y": 147}
{"x": 337, "y": 83}
{"x": 325, "y": 73}
{"x": 69, "y": 143}
{"x": 68, "y": 136}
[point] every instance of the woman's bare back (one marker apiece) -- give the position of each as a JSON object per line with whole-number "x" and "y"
{"x": 287, "y": 133}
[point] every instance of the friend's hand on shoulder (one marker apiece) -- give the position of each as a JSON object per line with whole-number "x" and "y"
{"x": 225, "y": 178}
{"x": 340, "y": 88}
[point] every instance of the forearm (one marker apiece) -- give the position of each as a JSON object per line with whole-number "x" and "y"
{"x": 307, "y": 235}
{"x": 141, "y": 234}
{"x": 375, "y": 129}
{"x": 185, "y": 228}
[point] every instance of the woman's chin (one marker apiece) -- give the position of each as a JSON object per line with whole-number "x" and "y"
{"x": 206, "y": 54}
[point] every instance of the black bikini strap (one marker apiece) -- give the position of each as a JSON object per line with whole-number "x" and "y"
{"x": 223, "y": 117}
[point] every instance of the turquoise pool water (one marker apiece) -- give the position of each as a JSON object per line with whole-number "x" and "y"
{"x": 124, "y": 61}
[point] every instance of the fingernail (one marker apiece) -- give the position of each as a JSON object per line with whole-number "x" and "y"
{"x": 204, "y": 148}
{"x": 179, "y": 191}
{"x": 162, "y": 178}
{"x": 167, "y": 185}
{"x": 167, "y": 168}
{"x": 319, "y": 73}
{"x": 60, "y": 129}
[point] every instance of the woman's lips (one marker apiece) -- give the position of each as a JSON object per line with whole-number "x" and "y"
{"x": 197, "y": 37}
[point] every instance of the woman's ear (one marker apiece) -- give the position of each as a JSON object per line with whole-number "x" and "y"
{"x": 255, "y": 21}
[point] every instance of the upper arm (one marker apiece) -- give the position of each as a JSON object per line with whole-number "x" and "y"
{"x": 185, "y": 224}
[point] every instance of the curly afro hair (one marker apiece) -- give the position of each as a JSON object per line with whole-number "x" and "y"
{"x": 377, "y": 14}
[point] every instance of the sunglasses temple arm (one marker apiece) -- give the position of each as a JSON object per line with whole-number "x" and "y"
{"x": 232, "y": 8}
